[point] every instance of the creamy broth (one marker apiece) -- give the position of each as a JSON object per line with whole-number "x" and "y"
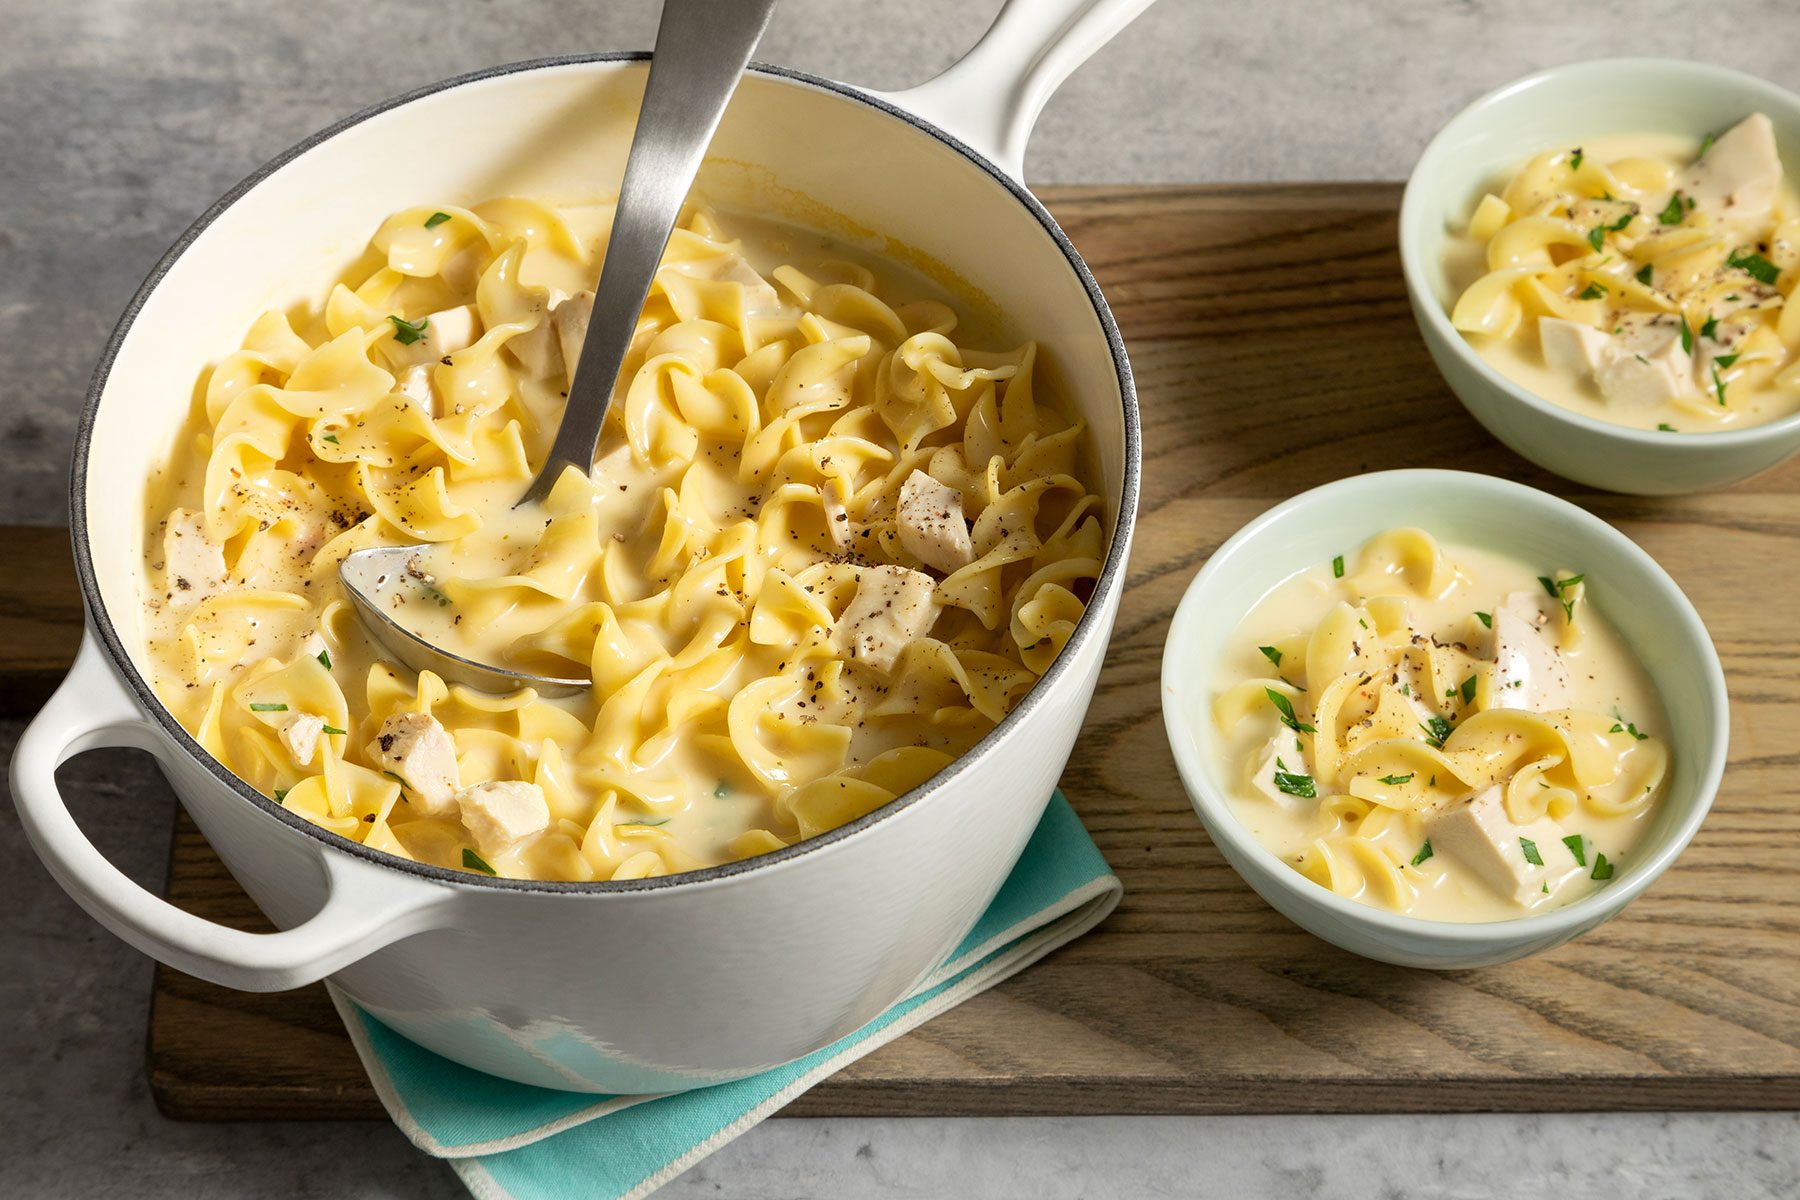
{"x": 1414, "y": 618}
{"x": 825, "y": 546}
{"x": 1639, "y": 280}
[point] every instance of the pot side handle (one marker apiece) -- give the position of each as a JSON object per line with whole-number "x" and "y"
{"x": 992, "y": 96}
{"x": 363, "y": 911}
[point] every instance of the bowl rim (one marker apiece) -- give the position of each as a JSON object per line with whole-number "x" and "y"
{"x": 1508, "y": 498}
{"x": 1414, "y": 214}
{"x": 1087, "y": 629}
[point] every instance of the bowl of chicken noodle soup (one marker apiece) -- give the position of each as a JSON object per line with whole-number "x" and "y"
{"x": 842, "y": 575}
{"x": 1442, "y": 719}
{"x": 1600, "y": 257}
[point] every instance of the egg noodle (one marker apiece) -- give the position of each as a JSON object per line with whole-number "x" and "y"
{"x": 1405, "y": 716}
{"x": 1637, "y": 281}
{"x": 824, "y": 549}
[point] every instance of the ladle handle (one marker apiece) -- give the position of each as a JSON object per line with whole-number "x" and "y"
{"x": 702, "y": 47}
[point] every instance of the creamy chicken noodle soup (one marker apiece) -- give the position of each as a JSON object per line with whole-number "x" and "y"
{"x": 825, "y": 547}
{"x": 1439, "y": 731}
{"x": 1642, "y": 280}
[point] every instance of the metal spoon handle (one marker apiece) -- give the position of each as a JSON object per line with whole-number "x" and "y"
{"x": 702, "y": 47}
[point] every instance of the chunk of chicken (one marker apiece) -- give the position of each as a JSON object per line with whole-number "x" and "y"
{"x": 1571, "y": 347}
{"x": 1477, "y": 832}
{"x": 300, "y": 734}
{"x": 1528, "y": 672}
{"x": 193, "y": 566}
{"x": 1642, "y": 366}
{"x": 931, "y": 524}
{"x": 1739, "y": 176}
{"x": 503, "y": 813}
{"x": 1283, "y": 755}
{"x": 570, "y": 318}
{"x": 418, "y": 749}
{"x": 445, "y": 332}
{"x": 893, "y": 607}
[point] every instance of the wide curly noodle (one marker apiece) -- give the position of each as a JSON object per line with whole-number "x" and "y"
{"x": 749, "y": 476}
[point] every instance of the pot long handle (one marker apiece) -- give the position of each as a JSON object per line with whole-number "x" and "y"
{"x": 993, "y": 95}
{"x": 362, "y": 912}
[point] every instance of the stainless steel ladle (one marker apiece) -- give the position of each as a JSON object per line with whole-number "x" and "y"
{"x": 702, "y": 47}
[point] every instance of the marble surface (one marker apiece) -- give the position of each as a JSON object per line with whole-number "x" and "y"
{"x": 122, "y": 119}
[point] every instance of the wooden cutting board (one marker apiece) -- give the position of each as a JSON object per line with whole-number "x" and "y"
{"x": 1274, "y": 352}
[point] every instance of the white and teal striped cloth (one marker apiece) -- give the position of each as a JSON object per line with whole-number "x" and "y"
{"x": 511, "y": 1141}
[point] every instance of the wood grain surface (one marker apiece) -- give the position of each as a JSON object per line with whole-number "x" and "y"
{"x": 1274, "y": 352}
{"x": 40, "y": 616}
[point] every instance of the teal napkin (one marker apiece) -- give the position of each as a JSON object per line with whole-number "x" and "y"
{"x": 511, "y": 1141}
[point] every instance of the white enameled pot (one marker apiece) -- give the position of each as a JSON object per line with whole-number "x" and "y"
{"x": 647, "y": 985}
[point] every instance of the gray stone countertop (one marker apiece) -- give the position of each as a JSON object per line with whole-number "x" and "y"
{"x": 120, "y": 120}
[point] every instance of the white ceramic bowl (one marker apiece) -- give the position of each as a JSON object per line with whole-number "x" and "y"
{"x": 629, "y": 986}
{"x": 1497, "y": 133}
{"x": 1624, "y": 585}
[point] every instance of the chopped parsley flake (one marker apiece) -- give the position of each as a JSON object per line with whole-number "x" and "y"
{"x": 1674, "y": 213}
{"x": 330, "y": 437}
{"x": 1578, "y": 847}
{"x": 407, "y": 332}
{"x": 1687, "y": 337}
{"x": 1592, "y": 291}
{"x": 1271, "y": 653}
{"x": 1602, "y": 868}
{"x": 1718, "y": 385}
{"x": 1423, "y": 854}
{"x": 1628, "y": 727}
{"x": 1337, "y": 567}
{"x": 1296, "y": 785}
{"x": 1666, "y": 427}
{"x": 1645, "y": 274}
{"x": 1529, "y": 849}
{"x": 1711, "y": 328}
{"x": 335, "y": 729}
{"x": 280, "y": 795}
{"x": 1725, "y": 360}
{"x": 1597, "y": 235}
{"x": 1468, "y": 690}
{"x": 1396, "y": 780}
{"x": 1285, "y": 707}
{"x": 1706, "y": 143}
{"x": 1558, "y": 589}
{"x": 475, "y": 862}
{"x": 1486, "y": 619}
{"x": 1436, "y": 731}
{"x": 324, "y": 657}
{"x": 268, "y": 708}
{"x": 436, "y": 219}
{"x": 1759, "y": 268}
{"x": 1575, "y": 157}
